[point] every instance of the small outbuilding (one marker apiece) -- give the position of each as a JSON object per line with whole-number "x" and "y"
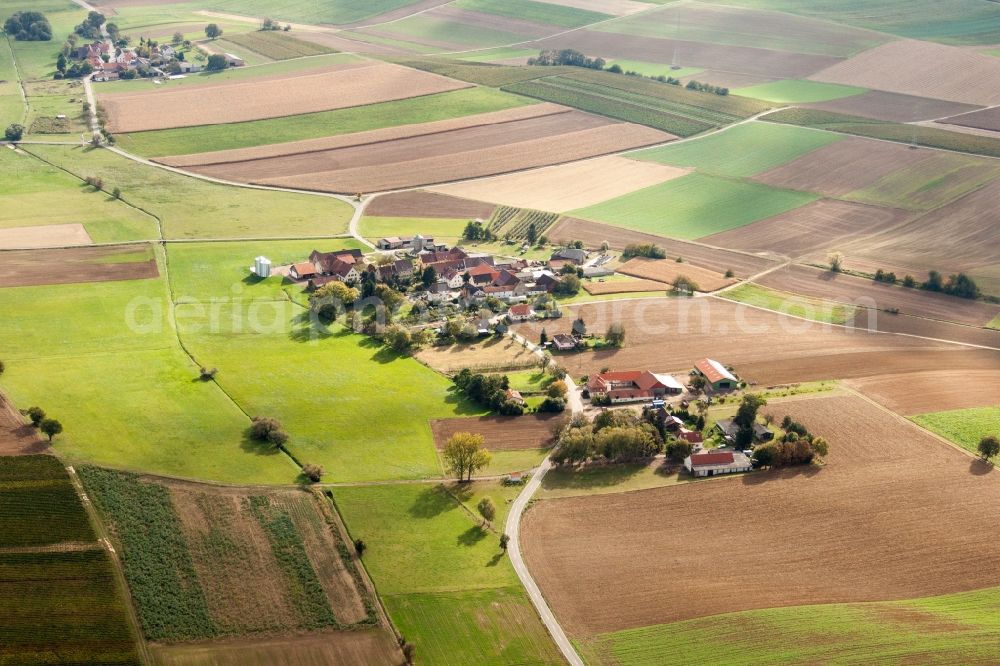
{"x": 717, "y": 463}
{"x": 717, "y": 376}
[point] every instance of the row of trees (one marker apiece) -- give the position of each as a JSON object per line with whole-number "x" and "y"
{"x": 648, "y": 250}
{"x": 477, "y": 231}
{"x": 568, "y": 57}
{"x": 28, "y": 27}
{"x": 90, "y": 28}
{"x": 613, "y": 435}
{"x": 707, "y": 87}
{"x": 796, "y": 447}
{"x": 49, "y": 427}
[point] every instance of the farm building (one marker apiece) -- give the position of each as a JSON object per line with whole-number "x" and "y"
{"x": 234, "y": 61}
{"x": 632, "y": 386}
{"x": 714, "y": 464}
{"x": 717, "y": 377}
{"x": 415, "y": 244}
{"x": 262, "y": 267}
{"x": 728, "y": 429}
{"x": 570, "y": 254}
{"x": 520, "y": 312}
{"x": 515, "y": 396}
{"x": 563, "y": 342}
{"x": 304, "y": 270}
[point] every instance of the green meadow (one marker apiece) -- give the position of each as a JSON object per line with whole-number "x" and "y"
{"x": 444, "y": 580}
{"x": 451, "y": 34}
{"x": 310, "y": 11}
{"x": 864, "y": 633}
{"x": 37, "y": 60}
{"x": 442, "y": 106}
{"x": 193, "y": 208}
{"x": 791, "y": 304}
{"x": 34, "y": 193}
{"x": 965, "y": 427}
{"x": 793, "y": 91}
{"x": 539, "y": 12}
{"x": 695, "y": 205}
{"x": 11, "y": 103}
{"x": 743, "y": 150}
{"x": 653, "y": 68}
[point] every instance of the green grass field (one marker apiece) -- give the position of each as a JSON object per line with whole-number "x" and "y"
{"x": 441, "y": 106}
{"x": 442, "y": 34}
{"x": 791, "y": 304}
{"x": 34, "y": 193}
{"x": 951, "y": 21}
{"x": 324, "y": 390}
{"x": 310, "y": 11}
{"x": 743, "y": 150}
{"x": 192, "y": 208}
{"x": 679, "y": 21}
{"x": 37, "y": 60}
{"x": 374, "y": 228}
{"x": 930, "y": 183}
{"x": 652, "y": 68}
{"x": 483, "y": 73}
{"x": 502, "y": 53}
{"x": 11, "y": 103}
{"x": 202, "y": 271}
{"x": 693, "y": 206}
{"x": 965, "y": 427}
{"x": 793, "y": 91}
{"x": 539, "y": 12}
{"x": 445, "y": 582}
{"x": 864, "y": 633}
{"x": 603, "y": 479}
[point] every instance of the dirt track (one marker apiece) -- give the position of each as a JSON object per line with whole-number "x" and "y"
{"x": 893, "y": 515}
{"x": 339, "y": 87}
{"x": 594, "y": 233}
{"x": 502, "y": 433}
{"x": 934, "y": 390}
{"x": 21, "y": 268}
{"x": 669, "y": 334}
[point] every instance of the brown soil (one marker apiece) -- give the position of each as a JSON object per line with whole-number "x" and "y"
{"x": 843, "y": 167}
{"x": 364, "y": 646}
{"x": 854, "y": 290}
{"x": 340, "y": 41}
{"x": 912, "y": 67}
{"x": 817, "y": 227}
{"x": 892, "y": 106}
{"x": 665, "y": 270}
{"x": 594, "y": 233}
{"x": 988, "y": 119}
{"x": 502, "y": 433}
{"x": 854, "y": 530}
{"x": 933, "y": 391}
{"x": 339, "y": 87}
{"x": 20, "y": 268}
{"x": 737, "y": 59}
{"x": 481, "y": 151}
{"x": 16, "y": 437}
{"x": 493, "y": 354}
{"x": 616, "y": 7}
{"x": 44, "y": 235}
{"x": 669, "y": 334}
{"x": 624, "y": 287}
{"x": 421, "y": 203}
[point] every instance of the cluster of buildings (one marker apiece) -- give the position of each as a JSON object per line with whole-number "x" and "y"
{"x": 324, "y": 267}
{"x": 110, "y": 62}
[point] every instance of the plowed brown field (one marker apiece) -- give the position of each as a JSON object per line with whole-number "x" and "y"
{"x": 19, "y": 268}
{"x": 669, "y": 334}
{"x": 665, "y": 270}
{"x": 892, "y": 515}
{"x": 338, "y": 87}
{"x": 912, "y": 67}
{"x": 502, "y": 433}
{"x": 816, "y": 227}
{"x": 446, "y": 156}
{"x": 988, "y": 119}
{"x": 421, "y": 203}
{"x": 360, "y": 646}
{"x": 810, "y": 281}
{"x": 594, "y": 233}
{"x": 933, "y": 391}
{"x": 892, "y": 106}
{"x": 624, "y": 287}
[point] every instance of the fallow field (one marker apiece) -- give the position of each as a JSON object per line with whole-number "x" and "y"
{"x": 811, "y": 552}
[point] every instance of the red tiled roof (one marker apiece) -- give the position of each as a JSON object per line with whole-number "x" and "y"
{"x": 712, "y": 459}
{"x": 523, "y": 309}
{"x": 705, "y": 367}
{"x": 304, "y": 268}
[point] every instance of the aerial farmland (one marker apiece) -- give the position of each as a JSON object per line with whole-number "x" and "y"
{"x": 496, "y": 332}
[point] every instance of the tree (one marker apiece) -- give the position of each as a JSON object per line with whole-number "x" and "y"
{"x": 36, "y": 414}
{"x": 568, "y": 285}
{"x": 212, "y": 31}
{"x": 532, "y": 234}
{"x": 763, "y": 456}
{"x": 51, "y": 428}
{"x": 615, "y": 335}
{"x": 398, "y": 337}
{"x": 312, "y": 472}
{"x": 464, "y": 454}
{"x": 543, "y": 337}
{"x": 360, "y": 547}
{"x": 14, "y": 132}
{"x": 487, "y": 509}
{"x": 116, "y": 193}
{"x": 28, "y": 27}
{"x": 988, "y": 447}
{"x": 504, "y": 540}
{"x": 216, "y": 62}
{"x": 428, "y": 277}
{"x": 746, "y": 416}
{"x": 678, "y": 450}
{"x": 820, "y": 447}
{"x": 269, "y": 24}
{"x": 177, "y": 38}
{"x": 961, "y": 285}
{"x": 3, "y": 367}
{"x": 267, "y": 429}
{"x": 933, "y": 282}
{"x": 61, "y": 62}
{"x": 836, "y": 260}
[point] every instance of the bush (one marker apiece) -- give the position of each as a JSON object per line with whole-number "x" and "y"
{"x": 552, "y": 405}
{"x": 216, "y": 63}
{"x": 36, "y": 415}
{"x": 360, "y": 547}
{"x": 644, "y": 250}
{"x": 14, "y": 132}
{"x": 312, "y": 472}
{"x": 28, "y": 27}
{"x": 267, "y": 429}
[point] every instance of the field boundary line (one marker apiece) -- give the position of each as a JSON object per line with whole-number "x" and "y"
{"x": 104, "y": 537}
{"x": 20, "y": 81}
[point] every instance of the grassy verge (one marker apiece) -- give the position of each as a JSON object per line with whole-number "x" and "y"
{"x": 965, "y": 427}
{"x": 798, "y": 306}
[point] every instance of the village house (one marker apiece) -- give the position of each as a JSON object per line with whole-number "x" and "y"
{"x": 233, "y": 61}
{"x": 728, "y": 429}
{"x": 520, "y": 312}
{"x": 632, "y": 386}
{"x": 324, "y": 267}
{"x": 717, "y": 377}
{"x": 714, "y": 464}
{"x": 515, "y": 397}
{"x": 563, "y": 342}
{"x": 439, "y": 292}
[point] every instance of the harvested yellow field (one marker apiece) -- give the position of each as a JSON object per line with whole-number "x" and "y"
{"x": 338, "y": 87}
{"x": 664, "y": 270}
{"x": 46, "y": 235}
{"x": 924, "y": 69}
{"x": 624, "y": 287}
{"x": 616, "y": 7}
{"x": 568, "y": 186}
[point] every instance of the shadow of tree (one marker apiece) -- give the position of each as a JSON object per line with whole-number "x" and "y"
{"x": 251, "y": 445}
{"x": 431, "y": 502}
{"x": 979, "y": 467}
{"x": 495, "y": 560}
{"x": 472, "y": 536}
{"x": 763, "y": 476}
{"x": 595, "y": 476}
